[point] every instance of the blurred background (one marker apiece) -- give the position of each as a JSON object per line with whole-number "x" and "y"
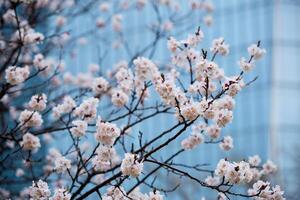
{"x": 267, "y": 114}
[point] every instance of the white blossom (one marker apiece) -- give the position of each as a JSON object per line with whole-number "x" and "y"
{"x": 254, "y": 160}
{"x": 61, "y": 194}
{"x": 212, "y": 180}
{"x": 19, "y": 172}
{"x": 114, "y": 193}
{"x": 192, "y": 141}
{"x": 106, "y": 132}
{"x": 39, "y": 191}
{"x": 79, "y": 128}
{"x": 62, "y": 164}
{"x": 256, "y": 51}
{"x": 33, "y": 37}
{"x": 269, "y": 167}
{"x": 30, "y": 142}
{"x": 262, "y": 190}
{"x": 245, "y": 65}
{"x": 131, "y": 165}
{"x": 219, "y": 46}
{"x": 87, "y": 110}
{"x": 30, "y": 119}
{"x": 213, "y": 131}
{"x": 119, "y": 98}
{"x": 100, "y": 85}
{"x": 106, "y": 158}
{"x": 16, "y": 75}
{"x": 60, "y": 21}
{"x": 234, "y": 173}
{"x": 227, "y": 143}
{"x": 38, "y": 102}
{"x": 223, "y": 117}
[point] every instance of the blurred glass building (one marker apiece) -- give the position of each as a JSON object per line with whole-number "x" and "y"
{"x": 266, "y": 120}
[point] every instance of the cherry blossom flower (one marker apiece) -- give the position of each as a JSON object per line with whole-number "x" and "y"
{"x": 16, "y": 75}
{"x": 30, "y": 119}
{"x": 38, "y": 102}
{"x": 79, "y": 128}
{"x": 62, "y": 164}
{"x": 39, "y": 191}
{"x": 119, "y": 98}
{"x": 106, "y": 132}
{"x": 61, "y": 194}
{"x": 227, "y": 143}
{"x": 100, "y": 85}
{"x": 131, "y": 166}
{"x": 30, "y": 142}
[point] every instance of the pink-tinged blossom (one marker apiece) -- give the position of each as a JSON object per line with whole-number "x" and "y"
{"x": 145, "y": 69}
{"x": 30, "y": 119}
{"x": 219, "y": 46}
{"x": 20, "y": 172}
{"x": 190, "y": 110}
{"x": 262, "y": 190}
{"x": 269, "y": 167}
{"x": 66, "y": 107}
{"x": 100, "y": 22}
{"x": 256, "y": 51}
{"x": 226, "y": 102}
{"x": 114, "y": 193}
{"x": 208, "y": 69}
{"x": 245, "y": 65}
{"x": 39, "y": 191}
{"x": 117, "y": 22}
{"x": 106, "y": 158}
{"x": 227, "y": 143}
{"x": 192, "y": 141}
{"x": 208, "y": 20}
{"x": 213, "y": 131}
{"x": 234, "y": 173}
{"x": 33, "y": 37}
{"x": 16, "y": 75}
{"x": 104, "y": 7}
{"x": 106, "y": 132}
{"x": 60, "y": 21}
{"x": 79, "y": 128}
{"x": 131, "y": 166}
{"x": 100, "y": 85}
{"x": 125, "y": 79}
{"x": 172, "y": 44}
{"x": 9, "y": 17}
{"x": 87, "y": 110}
{"x": 212, "y": 180}
{"x": 38, "y": 102}
{"x": 223, "y": 117}
{"x": 119, "y": 98}
{"x": 61, "y": 194}
{"x": 254, "y": 160}
{"x": 62, "y": 164}
{"x": 136, "y": 194}
{"x": 30, "y": 142}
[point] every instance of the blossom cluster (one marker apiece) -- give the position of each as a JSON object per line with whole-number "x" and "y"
{"x": 16, "y": 75}
{"x": 131, "y": 165}
{"x": 193, "y": 88}
{"x": 262, "y": 190}
{"x": 244, "y": 172}
{"x": 106, "y": 132}
{"x": 120, "y": 193}
{"x": 40, "y": 191}
{"x": 106, "y": 158}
